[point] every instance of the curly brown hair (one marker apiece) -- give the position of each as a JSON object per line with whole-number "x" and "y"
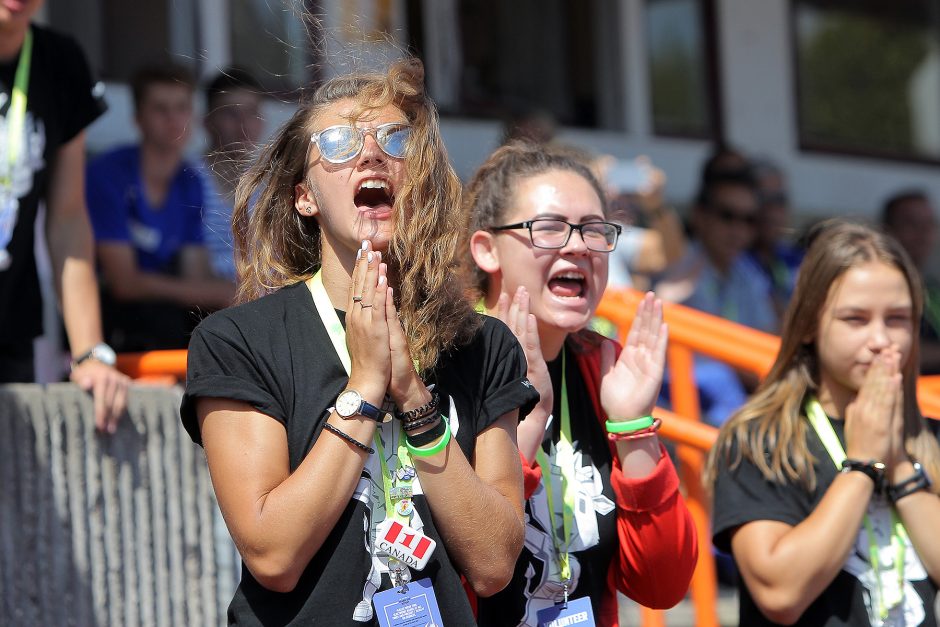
{"x": 275, "y": 246}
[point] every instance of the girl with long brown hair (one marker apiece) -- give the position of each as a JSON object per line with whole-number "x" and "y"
{"x": 825, "y": 482}
{"x": 352, "y": 313}
{"x": 603, "y": 509}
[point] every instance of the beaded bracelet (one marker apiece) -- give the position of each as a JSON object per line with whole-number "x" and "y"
{"x": 625, "y": 426}
{"x": 417, "y": 412}
{"x": 437, "y": 448}
{"x": 425, "y": 438}
{"x": 348, "y": 438}
{"x": 637, "y": 435}
{"x": 422, "y": 422}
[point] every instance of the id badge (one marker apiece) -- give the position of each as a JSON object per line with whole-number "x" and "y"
{"x": 577, "y": 612}
{"x": 403, "y": 543}
{"x": 415, "y": 608}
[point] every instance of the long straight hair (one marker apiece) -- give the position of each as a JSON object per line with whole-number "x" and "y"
{"x": 770, "y": 430}
{"x": 275, "y": 246}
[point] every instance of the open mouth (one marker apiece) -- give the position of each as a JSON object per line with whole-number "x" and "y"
{"x": 568, "y": 284}
{"x": 374, "y": 195}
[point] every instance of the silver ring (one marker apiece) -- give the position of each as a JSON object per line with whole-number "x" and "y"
{"x": 357, "y": 299}
{"x": 363, "y": 305}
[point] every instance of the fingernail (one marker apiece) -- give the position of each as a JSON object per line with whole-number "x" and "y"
{"x": 358, "y": 254}
{"x": 365, "y": 244}
{"x": 381, "y": 281}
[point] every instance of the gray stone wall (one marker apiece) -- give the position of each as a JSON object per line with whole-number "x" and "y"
{"x": 99, "y": 529}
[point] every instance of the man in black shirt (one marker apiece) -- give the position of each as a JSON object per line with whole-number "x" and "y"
{"x": 47, "y": 99}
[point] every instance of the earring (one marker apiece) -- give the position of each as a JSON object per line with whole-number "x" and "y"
{"x": 308, "y": 210}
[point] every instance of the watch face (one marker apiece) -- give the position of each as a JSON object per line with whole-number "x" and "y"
{"x": 105, "y": 354}
{"x": 347, "y": 403}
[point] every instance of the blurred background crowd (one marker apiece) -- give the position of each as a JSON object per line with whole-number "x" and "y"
{"x": 722, "y": 129}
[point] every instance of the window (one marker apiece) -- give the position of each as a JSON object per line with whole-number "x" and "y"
{"x": 491, "y": 58}
{"x": 119, "y": 36}
{"x": 270, "y": 39}
{"x": 868, "y": 77}
{"x": 682, "y": 68}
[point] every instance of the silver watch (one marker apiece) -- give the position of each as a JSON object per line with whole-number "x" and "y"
{"x": 99, "y": 352}
{"x": 350, "y": 403}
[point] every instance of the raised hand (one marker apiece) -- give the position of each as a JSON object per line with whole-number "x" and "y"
{"x": 366, "y": 326}
{"x": 514, "y": 312}
{"x": 872, "y": 418}
{"x": 630, "y": 384}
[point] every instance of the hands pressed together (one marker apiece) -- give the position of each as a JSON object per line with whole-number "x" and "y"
{"x": 874, "y": 421}
{"x": 378, "y": 351}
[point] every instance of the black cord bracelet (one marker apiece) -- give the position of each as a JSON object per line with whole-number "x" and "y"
{"x": 348, "y": 438}
{"x": 915, "y": 483}
{"x": 423, "y": 422}
{"x": 425, "y": 409}
{"x": 423, "y": 439}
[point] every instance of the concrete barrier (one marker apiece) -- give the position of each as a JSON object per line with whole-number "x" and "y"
{"x": 107, "y": 530}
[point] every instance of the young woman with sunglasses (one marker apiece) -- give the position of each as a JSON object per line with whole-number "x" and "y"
{"x": 352, "y": 312}
{"x": 603, "y": 509}
{"x": 826, "y": 482}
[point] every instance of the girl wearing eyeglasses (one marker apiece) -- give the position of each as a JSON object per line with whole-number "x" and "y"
{"x": 825, "y": 482}
{"x": 603, "y": 509}
{"x": 357, "y": 415}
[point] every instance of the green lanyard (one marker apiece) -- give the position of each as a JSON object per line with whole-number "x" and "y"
{"x": 820, "y": 421}
{"x": 564, "y": 462}
{"x": 16, "y": 115}
{"x": 337, "y": 333}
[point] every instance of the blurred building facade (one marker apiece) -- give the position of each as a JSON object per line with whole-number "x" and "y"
{"x": 843, "y": 94}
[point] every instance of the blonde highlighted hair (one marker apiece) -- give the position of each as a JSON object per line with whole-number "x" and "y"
{"x": 770, "y": 431}
{"x": 275, "y": 246}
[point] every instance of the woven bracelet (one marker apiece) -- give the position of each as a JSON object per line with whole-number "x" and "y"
{"x": 422, "y": 422}
{"x": 419, "y": 412}
{"x": 348, "y": 438}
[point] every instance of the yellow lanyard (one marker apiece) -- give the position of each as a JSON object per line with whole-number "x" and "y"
{"x": 564, "y": 463}
{"x": 16, "y": 115}
{"x": 822, "y": 426}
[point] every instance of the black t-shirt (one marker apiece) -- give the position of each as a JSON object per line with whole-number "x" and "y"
{"x": 61, "y": 101}
{"x": 274, "y": 353}
{"x": 534, "y": 585}
{"x": 743, "y": 495}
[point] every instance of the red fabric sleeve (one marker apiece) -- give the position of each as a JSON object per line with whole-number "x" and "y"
{"x": 531, "y": 476}
{"x": 658, "y": 541}
{"x": 657, "y": 538}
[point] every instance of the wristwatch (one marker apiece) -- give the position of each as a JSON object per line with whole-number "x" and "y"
{"x": 350, "y": 403}
{"x": 99, "y": 352}
{"x": 872, "y": 469}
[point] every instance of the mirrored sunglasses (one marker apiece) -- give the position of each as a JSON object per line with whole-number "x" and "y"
{"x": 339, "y": 144}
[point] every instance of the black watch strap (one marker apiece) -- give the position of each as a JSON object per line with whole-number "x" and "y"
{"x": 915, "y": 483}
{"x": 872, "y": 469}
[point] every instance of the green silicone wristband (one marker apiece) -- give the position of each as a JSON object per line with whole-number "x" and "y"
{"x": 627, "y": 426}
{"x": 433, "y": 450}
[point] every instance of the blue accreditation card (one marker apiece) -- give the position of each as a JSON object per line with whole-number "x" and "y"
{"x": 577, "y": 613}
{"x": 415, "y": 608}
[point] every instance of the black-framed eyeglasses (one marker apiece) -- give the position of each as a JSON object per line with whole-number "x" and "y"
{"x": 339, "y": 144}
{"x": 553, "y": 233}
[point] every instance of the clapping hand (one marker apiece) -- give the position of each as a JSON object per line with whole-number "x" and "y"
{"x": 630, "y": 384}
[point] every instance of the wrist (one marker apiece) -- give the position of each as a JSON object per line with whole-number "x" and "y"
{"x": 415, "y": 395}
{"x": 872, "y": 469}
{"x": 371, "y": 390}
{"x": 916, "y": 481}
